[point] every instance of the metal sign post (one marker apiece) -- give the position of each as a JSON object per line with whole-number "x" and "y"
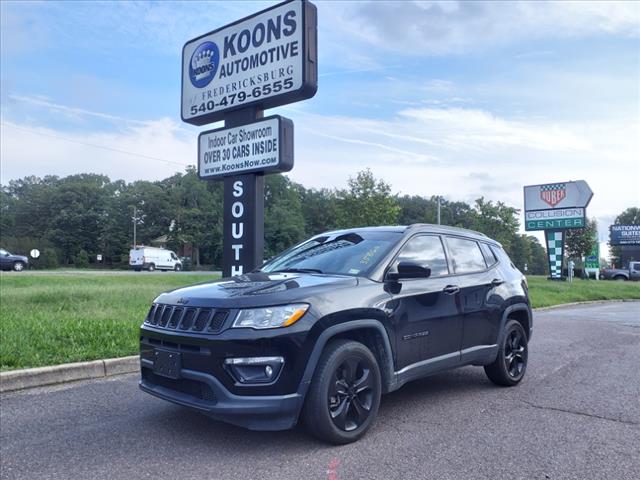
{"x": 554, "y": 208}
{"x": 232, "y": 74}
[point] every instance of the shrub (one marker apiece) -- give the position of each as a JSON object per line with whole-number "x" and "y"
{"x": 81, "y": 260}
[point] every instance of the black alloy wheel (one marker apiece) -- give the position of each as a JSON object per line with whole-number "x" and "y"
{"x": 344, "y": 395}
{"x": 515, "y": 353}
{"x": 510, "y": 365}
{"x": 351, "y": 394}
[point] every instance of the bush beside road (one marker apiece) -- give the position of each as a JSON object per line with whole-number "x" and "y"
{"x": 49, "y": 319}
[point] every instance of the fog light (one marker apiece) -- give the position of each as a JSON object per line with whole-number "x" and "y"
{"x": 254, "y": 370}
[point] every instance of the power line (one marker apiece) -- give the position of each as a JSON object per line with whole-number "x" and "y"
{"x": 141, "y": 155}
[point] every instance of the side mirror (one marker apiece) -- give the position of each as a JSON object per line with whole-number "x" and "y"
{"x": 409, "y": 270}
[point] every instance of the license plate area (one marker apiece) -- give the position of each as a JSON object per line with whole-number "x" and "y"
{"x": 167, "y": 363}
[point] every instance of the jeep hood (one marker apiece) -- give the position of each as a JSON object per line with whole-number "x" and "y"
{"x": 256, "y": 289}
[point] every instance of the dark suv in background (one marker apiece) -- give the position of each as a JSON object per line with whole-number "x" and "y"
{"x": 324, "y": 329}
{"x": 9, "y": 261}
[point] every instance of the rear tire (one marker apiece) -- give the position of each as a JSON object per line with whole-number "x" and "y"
{"x": 18, "y": 266}
{"x": 344, "y": 396}
{"x": 152, "y": 267}
{"x": 510, "y": 365}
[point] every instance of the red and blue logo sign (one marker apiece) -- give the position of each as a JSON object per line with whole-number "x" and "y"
{"x": 204, "y": 64}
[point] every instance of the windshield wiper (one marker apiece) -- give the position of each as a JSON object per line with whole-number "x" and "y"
{"x": 300, "y": 270}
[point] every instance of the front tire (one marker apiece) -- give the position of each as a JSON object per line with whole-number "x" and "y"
{"x": 152, "y": 267}
{"x": 18, "y": 266}
{"x": 509, "y": 367}
{"x": 344, "y": 396}
{"x": 177, "y": 268}
{"x": 620, "y": 278}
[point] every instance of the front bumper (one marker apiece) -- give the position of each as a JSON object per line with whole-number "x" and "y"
{"x": 205, "y": 393}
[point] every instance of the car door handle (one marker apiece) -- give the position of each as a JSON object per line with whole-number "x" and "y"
{"x": 451, "y": 289}
{"x": 496, "y": 282}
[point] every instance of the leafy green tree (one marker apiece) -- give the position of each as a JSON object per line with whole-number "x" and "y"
{"x": 319, "y": 209}
{"x": 284, "y": 223}
{"x": 367, "y": 201}
{"x": 580, "y": 241}
{"x": 81, "y": 260}
{"x": 197, "y": 216}
{"x": 416, "y": 209}
{"x": 496, "y": 220}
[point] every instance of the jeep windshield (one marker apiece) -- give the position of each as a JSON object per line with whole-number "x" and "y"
{"x": 352, "y": 253}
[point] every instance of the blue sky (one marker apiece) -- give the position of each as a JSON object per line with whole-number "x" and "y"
{"x": 459, "y": 99}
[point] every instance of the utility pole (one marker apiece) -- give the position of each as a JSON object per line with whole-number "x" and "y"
{"x": 438, "y": 197}
{"x": 135, "y": 221}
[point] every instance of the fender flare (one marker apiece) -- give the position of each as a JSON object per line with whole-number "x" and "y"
{"x": 334, "y": 330}
{"x": 515, "y": 308}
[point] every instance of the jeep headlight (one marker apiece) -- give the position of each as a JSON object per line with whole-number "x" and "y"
{"x": 270, "y": 317}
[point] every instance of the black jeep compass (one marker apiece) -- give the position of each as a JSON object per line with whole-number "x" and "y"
{"x": 324, "y": 329}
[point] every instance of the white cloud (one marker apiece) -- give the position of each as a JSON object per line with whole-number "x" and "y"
{"x": 442, "y": 27}
{"x": 151, "y": 151}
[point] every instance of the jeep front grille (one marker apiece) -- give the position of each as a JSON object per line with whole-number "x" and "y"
{"x": 170, "y": 317}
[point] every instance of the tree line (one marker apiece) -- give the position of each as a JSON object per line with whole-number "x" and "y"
{"x": 73, "y": 219}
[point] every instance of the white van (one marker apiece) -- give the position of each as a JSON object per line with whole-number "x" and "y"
{"x": 152, "y": 258}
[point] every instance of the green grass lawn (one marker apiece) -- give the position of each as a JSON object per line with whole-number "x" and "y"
{"x": 546, "y": 293}
{"x": 47, "y": 319}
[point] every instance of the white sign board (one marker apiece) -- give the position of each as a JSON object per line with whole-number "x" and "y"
{"x": 557, "y": 195}
{"x": 265, "y": 145}
{"x": 267, "y": 59}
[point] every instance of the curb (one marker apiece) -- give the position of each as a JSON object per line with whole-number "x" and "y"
{"x": 586, "y": 302}
{"x": 68, "y": 372}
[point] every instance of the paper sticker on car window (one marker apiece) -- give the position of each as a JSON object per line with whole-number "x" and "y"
{"x": 354, "y": 271}
{"x": 366, "y": 258}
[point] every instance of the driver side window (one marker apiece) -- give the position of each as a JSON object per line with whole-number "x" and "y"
{"x": 426, "y": 251}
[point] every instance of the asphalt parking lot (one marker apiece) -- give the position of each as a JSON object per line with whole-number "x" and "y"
{"x": 576, "y": 415}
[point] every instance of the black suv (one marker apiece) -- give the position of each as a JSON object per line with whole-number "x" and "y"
{"x": 325, "y": 328}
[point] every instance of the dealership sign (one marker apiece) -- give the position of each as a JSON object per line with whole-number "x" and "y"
{"x": 624, "y": 235}
{"x": 265, "y": 145}
{"x": 265, "y": 60}
{"x": 553, "y": 219}
{"x": 233, "y": 74}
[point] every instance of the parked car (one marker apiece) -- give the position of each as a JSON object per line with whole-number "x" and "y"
{"x": 321, "y": 331}
{"x": 630, "y": 273}
{"x": 9, "y": 261}
{"x": 152, "y": 258}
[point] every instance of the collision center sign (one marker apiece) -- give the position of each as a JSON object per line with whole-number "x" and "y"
{"x": 265, "y": 60}
{"x": 553, "y": 219}
{"x": 265, "y": 145}
{"x": 556, "y": 206}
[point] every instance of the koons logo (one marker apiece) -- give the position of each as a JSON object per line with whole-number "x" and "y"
{"x": 204, "y": 64}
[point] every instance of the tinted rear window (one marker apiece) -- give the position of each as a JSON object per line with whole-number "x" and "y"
{"x": 465, "y": 255}
{"x": 489, "y": 256}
